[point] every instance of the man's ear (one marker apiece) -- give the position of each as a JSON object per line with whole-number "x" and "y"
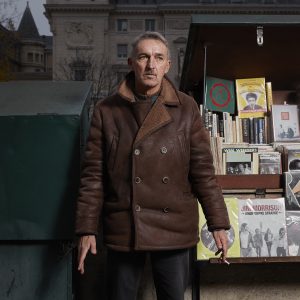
{"x": 129, "y": 62}
{"x": 168, "y": 67}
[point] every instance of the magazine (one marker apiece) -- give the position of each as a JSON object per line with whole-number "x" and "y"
{"x": 240, "y": 160}
{"x": 262, "y": 227}
{"x": 292, "y": 190}
{"x": 293, "y": 232}
{"x": 269, "y": 163}
{"x": 206, "y": 247}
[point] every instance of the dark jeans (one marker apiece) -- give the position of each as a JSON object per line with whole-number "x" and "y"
{"x": 170, "y": 273}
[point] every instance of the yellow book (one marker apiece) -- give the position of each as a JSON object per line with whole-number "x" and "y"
{"x": 206, "y": 247}
{"x": 251, "y": 97}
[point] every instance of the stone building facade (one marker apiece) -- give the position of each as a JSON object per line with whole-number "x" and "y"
{"x": 89, "y": 32}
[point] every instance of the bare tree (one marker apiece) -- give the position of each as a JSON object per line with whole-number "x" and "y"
{"x": 88, "y": 67}
{"x": 8, "y": 12}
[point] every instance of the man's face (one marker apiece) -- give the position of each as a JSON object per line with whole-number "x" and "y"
{"x": 150, "y": 62}
{"x": 251, "y": 101}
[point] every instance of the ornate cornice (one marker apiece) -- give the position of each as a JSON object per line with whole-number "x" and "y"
{"x": 162, "y": 9}
{"x": 50, "y": 8}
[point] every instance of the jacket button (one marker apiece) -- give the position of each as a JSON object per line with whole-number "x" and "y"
{"x": 137, "y": 151}
{"x": 138, "y": 180}
{"x": 165, "y": 179}
{"x": 137, "y": 208}
{"x": 166, "y": 210}
{"x": 163, "y": 150}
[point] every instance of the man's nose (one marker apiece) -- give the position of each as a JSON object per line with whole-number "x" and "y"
{"x": 151, "y": 62}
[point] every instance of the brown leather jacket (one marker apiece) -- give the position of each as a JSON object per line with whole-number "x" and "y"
{"x": 142, "y": 176}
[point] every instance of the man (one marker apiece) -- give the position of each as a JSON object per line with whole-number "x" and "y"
{"x": 251, "y": 99}
{"x": 146, "y": 160}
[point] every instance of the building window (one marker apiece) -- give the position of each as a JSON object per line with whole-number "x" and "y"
{"x": 122, "y": 50}
{"x": 150, "y": 25}
{"x": 122, "y": 25}
{"x": 80, "y": 74}
{"x": 30, "y": 57}
{"x": 37, "y": 56}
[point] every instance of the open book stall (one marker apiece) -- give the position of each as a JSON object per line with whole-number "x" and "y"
{"x": 243, "y": 70}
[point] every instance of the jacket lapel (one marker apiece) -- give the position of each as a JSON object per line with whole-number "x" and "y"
{"x": 157, "y": 117}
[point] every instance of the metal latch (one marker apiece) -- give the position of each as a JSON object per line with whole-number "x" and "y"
{"x": 260, "y": 193}
{"x": 260, "y": 35}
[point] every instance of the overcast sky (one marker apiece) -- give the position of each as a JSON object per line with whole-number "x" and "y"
{"x": 37, "y": 10}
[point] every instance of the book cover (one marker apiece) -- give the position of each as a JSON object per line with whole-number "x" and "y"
{"x": 262, "y": 227}
{"x": 240, "y": 160}
{"x": 251, "y": 97}
{"x": 220, "y": 95}
{"x": 285, "y": 123}
{"x": 269, "y": 163}
{"x": 293, "y": 158}
{"x": 292, "y": 190}
{"x": 293, "y": 232}
{"x": 206, "y": 247}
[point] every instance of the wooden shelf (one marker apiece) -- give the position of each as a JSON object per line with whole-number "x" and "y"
{"x": 239, "y": 182}
{"x": 260, "y": 260}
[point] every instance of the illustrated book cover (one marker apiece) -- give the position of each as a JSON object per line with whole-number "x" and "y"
{"x": 206, "y": 247}
{"x": 251, "y": 97}
{"x": 262, "y": 227}
{"x": 285, "y": 123}
{"x": 220, "y": 95}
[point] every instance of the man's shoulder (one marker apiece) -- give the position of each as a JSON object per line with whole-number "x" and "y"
{"x": 186, "y": 99}
{"x": 108, "y": 101}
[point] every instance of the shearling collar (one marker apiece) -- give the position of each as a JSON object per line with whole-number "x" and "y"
{"x": 168, "y": 94}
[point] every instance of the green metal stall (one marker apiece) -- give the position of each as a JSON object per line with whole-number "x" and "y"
{"x": 43, "y": 128}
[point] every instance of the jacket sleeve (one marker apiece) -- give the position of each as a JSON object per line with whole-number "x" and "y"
{"x": 90, "y": 199}
{"x": 202, "y": 176}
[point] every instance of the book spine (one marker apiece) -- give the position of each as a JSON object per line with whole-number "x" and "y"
{"x": 269, "y": 95}
{"x": 246, "y": 130}
{"x": 251, "y": 130}
{"x": 261, "y": 131}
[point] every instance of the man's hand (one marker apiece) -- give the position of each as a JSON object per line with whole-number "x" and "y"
{"x": 221, "y": 240}
{"x": 85, "y": 243}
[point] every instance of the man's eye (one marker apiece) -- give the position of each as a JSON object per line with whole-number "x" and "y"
{"x": 142, "y": 57}
{"x": 159, "y": 58}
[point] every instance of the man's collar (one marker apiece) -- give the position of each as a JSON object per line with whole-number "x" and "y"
{"x": 168, "y": 93}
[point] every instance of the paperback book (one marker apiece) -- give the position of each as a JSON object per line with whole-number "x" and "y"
{"x": 206, "y": 247}
{"x": 262, "y": 227}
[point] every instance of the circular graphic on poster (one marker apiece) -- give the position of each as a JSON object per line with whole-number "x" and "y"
{"x": 208, "y": 239}
{"x": 220, "y": 95}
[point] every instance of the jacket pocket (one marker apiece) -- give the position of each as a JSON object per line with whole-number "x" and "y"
{"x": 111, "y": 156}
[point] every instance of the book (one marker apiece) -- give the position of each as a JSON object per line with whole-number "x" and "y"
{"x": 262, "y": 227}
{"x": 269, "y": 95}
{"x": 285, "y": 120}
{"x": 220, "y": 95}
{"x": 292, "y": 190}
{"x": 269, "y": 163}
{"x": 206, "y": 247}
{"x": 293, "y": 232}
{"x": 240, "y": 160}
{"x": 251, "y": 97}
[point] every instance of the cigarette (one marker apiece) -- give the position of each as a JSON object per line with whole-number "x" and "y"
{"x": 226, "y": 262}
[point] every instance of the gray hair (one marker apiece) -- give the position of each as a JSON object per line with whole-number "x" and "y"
{"x": 149, "y": 35}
